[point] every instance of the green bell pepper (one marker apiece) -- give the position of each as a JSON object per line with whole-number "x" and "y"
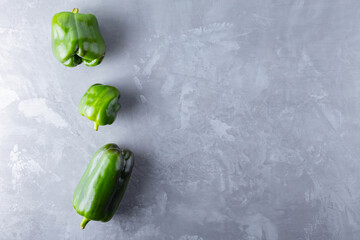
{"x": 100, "y": 104}
{"x": 76, "y": 38}
{"x": 103, "y": 184}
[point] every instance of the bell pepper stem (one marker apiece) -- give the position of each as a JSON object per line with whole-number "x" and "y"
{"x": 96, "y": 126}
{"x": 84, "y": 222}
{"x": 75, "y": 10}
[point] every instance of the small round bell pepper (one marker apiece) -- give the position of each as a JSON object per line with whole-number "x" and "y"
{"x": 100, "y": 104}
{"x": 76, "y": 38}
{"x": 103, "y": 184}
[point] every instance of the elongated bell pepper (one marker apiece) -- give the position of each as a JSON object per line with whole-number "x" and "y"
{"x": 100, "y": 104}
{"x": 103, "y": 184}
{"x": 76, "y": 38}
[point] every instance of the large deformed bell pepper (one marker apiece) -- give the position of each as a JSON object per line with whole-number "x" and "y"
{"x": 100, "y": 104}
{"x": 76, "y": 38}
{"x": 103, "y": 184}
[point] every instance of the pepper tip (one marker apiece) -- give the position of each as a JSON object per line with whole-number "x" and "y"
{"x": 84, "y": 222}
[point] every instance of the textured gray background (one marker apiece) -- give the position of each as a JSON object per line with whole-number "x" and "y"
{"x": 243, "y": 117}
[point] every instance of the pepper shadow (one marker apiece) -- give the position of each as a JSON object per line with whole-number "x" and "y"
{"x": 140, "y": 180}
{"x": 128, "y": 100}
{"x": 114, "y": 30}
{"x": 128, "y": 96}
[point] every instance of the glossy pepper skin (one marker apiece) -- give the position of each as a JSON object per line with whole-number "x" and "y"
{"x": 100, "y": 104}
{"x": 76, "y": 38}
{"x": 103, "y": 184}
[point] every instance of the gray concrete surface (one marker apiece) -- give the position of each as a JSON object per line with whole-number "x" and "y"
{"x": 243, "y": 117}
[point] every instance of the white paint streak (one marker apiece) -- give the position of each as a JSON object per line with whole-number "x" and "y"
{"x": 150, "y": 64}
{"x": 37, "y": 108}
{"x": 22, "y": 168}
{"x": 168, "y": 85}
{"x": 190, "y": 237}
{"x": 137, "y": 83}
{"x": 221, "y": 129}
{"x": 7, "y": 96}
{"x": 185, "y": 105}
{"x": 143, "y": 99}
{"x": 259, "y": 227}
